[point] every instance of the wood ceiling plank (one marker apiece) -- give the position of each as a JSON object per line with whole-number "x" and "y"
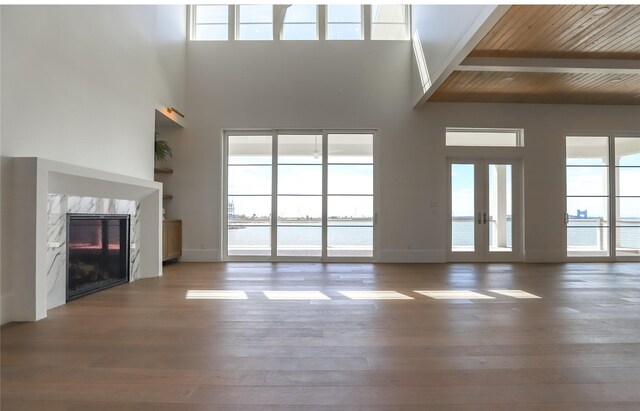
{"x": 506, "y": 27}
{"x": 528, "y": 27}
{"x": 629, "y": 39}
{"x": 552, "y": 19}
{"x": 590, "y": 41}
{"x": 555, "y": 88}
{"x": 574, "y": 17}
{"x": 575, "y": 34}
{"x": 566, "y": 31}
{"x": 487, "y": 80}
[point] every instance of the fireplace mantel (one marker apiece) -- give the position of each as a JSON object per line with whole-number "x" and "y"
{"x": 34, "y": 179}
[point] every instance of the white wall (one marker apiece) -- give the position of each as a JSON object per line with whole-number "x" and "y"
{"x": 447, "y": 34}
{"x": 80, "y": 85}
{"x": 363, "y": 84}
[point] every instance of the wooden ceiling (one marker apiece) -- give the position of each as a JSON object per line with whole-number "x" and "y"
{"x": 571, "y": 31}
{"x": 518, "y": 87}
{"x": 539, "y": 38}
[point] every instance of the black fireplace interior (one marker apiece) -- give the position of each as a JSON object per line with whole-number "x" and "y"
{"x": 97, "y": 252}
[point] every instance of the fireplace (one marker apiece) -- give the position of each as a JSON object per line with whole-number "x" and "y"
{"x": 97, "y": 252}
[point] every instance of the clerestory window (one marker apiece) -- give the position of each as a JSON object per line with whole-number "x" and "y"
{"x": 389, "y": 22}
{"x": 300, "y": 22}
{"x": 210, "y": 22}
{"x": 344, "y": 22}
{"x": 255, "y": 22}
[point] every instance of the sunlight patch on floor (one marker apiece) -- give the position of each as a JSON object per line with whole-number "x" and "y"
{"x": 515, "y": 293}
{"x": 375, "y": 295}
{"x": 357, "y": 295}
{"x": 455, "y": 295}
{"x": 216, "y": 295}
{"x": 295, "y": 295}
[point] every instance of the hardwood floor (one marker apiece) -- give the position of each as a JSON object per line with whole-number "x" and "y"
{"x": 144, "y": 346}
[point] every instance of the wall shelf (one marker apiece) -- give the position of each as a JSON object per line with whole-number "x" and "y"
{"x": 165, "y": 119}
{"x": 168, "y": 122}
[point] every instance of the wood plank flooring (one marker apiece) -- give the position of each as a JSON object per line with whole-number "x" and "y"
{"x": 144, "y": 346}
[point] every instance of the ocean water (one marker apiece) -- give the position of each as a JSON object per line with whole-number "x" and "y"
{"x": 585, "y": 235}
{"x": 337, "y": 236}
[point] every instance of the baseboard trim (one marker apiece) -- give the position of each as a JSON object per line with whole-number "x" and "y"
{"x": 200, "y": 256}
{"x": 544, "y": 256}
{"x": 412, "y": 256}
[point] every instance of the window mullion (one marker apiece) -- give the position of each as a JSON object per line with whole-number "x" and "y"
{"x": 325, "y": 179}
{"x": 322, "y": 22}
{"x": 225, "y": 192}
{"x": 277, "y": 21}
{"x": 192, "y": 22}
{"x": 232, "y": 22}
{"x": 612, "y": 198}
{"x": 274, "y": 194}
{"x": 366, "y": 21}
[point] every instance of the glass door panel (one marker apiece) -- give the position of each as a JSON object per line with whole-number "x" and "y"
{"x": 463, "y": 210}
{"x": 483, "y": 225}
{"x": 249, "y": 196}
{"x": 500, "y": 208}
{"x": 299, "y": 200}
{"x": 587, "y": 196}
{"x": 627, "y": 196}
{"x": 350, "y": 195}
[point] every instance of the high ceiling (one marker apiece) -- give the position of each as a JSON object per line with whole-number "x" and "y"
{"x": 585, "y": 54}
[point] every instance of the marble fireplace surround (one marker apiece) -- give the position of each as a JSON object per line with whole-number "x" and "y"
{"x": 58, "y": 205}
{"x": 44, "y": 191}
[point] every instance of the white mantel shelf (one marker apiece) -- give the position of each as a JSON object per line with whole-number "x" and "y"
{"x": 34, "y": 178}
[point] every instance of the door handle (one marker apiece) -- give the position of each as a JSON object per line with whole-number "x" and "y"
{"x": 484, "y": 221}
{"x": 479, "y": 220}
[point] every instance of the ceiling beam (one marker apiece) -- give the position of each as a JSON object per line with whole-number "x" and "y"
{"x": 481, "y": 26}
{"x": 547, "y": 65}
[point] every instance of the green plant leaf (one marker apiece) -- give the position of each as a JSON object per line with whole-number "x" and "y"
{"x": 162, "y": 150}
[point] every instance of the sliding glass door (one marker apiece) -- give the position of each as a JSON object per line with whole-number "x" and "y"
{"x": 603, "y": 196}
{"x": 350, "y": 195}
{"x": 299, "y": 201}
{"x": 319, "y": 185}
{"x": 249, "y": 187}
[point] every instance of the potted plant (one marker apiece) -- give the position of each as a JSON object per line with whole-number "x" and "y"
{"x": 162, "y": 149}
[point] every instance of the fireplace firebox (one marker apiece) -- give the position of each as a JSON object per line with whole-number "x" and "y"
{"x": 97, "y": 252}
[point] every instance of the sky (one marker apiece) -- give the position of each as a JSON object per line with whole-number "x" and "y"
{"x": 299, "y": 185}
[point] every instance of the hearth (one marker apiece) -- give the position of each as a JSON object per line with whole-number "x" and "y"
{"x": 97, "y": 252}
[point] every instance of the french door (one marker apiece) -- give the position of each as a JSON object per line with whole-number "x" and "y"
{"x": 484, "y": 223}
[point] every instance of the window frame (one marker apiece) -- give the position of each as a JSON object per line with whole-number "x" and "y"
{"x": 364, "y": 15}
{"x": 193, "y": 25}
{"x": 406, "y": 24}
{"x": 237, "y": 23}
{"x": 518, "y": 131}
{"x": 277, "y": 27}
{"x": 225, "y": 133}
{"x": 317, "y": 24}
{"x": 611, "y": 197}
